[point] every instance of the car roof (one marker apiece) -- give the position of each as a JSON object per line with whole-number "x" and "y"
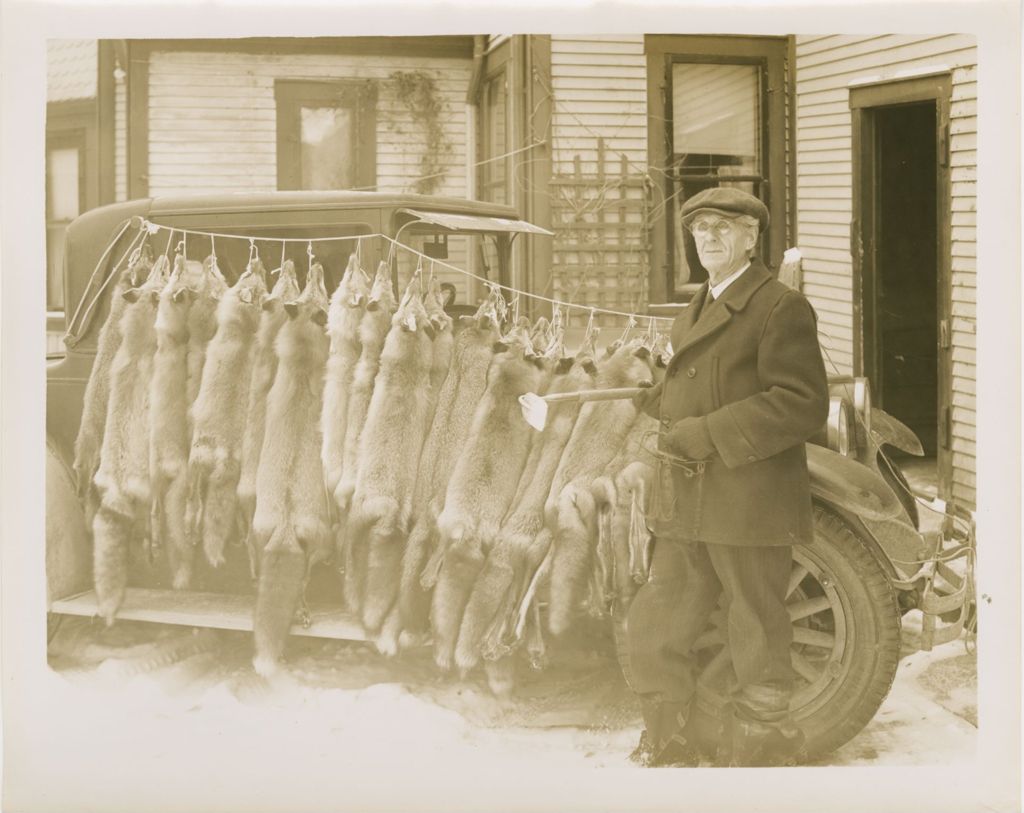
{"x": 225, "y": 202}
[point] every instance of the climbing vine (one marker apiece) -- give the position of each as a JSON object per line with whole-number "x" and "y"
{"x": 417, "y": 91}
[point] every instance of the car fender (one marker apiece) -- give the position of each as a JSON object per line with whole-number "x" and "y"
{"x": 68, "y": 552}
{"x": 885, "y": 429}
{"x": 850, "y": 485}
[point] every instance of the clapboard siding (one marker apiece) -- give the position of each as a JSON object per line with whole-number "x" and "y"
{"x": 827, "y": 66}
{"x": 599, "y": 89}
{"x": 120, "y": 139}
{"x": 213, "y": 118}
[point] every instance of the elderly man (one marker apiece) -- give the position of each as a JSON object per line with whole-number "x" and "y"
{"x": 745, "y": 388}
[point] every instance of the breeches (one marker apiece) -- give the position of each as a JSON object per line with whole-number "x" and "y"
{"x": 673, "y": 608}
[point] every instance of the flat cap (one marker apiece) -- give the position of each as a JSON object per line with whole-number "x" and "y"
{"x": 726, "y": 201}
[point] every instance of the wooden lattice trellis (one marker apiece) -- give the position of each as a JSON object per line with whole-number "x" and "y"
{"x": 602, "y": 245}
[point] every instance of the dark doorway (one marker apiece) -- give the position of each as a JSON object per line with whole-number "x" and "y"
{"x": 902, "y": 257}
{"x": 906, "y": 298}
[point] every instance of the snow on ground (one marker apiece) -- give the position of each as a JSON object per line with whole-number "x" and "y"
{"x": 350, "y": 706}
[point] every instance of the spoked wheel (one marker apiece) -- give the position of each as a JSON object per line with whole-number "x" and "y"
{"x": 846, "y": 641}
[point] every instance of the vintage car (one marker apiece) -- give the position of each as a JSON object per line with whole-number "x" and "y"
{"x": 868, "y": 566}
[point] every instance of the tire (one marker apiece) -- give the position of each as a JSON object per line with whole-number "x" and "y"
{"x": 846, "y": 649}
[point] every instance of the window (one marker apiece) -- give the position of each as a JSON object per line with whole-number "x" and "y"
{"x": 495, "y": 140}
{"x": 326, "y": 135}
{"x": 724, "y": 126}
{"x": 65, "y": 200}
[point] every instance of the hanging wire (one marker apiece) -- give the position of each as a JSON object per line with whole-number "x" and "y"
{"x": 253, "y": 253}
{"x": 167, "y": 250}
{"x": 567, "y": 305}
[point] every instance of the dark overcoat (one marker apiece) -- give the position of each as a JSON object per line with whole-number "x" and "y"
{"x": 751, "y": 364}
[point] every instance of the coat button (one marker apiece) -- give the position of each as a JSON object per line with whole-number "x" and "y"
{"x": 692, "y": 372}
{"x": 665, "y": 422}
{"x": 751, "y": 458}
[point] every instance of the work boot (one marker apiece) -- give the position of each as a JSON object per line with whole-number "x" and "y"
{"x": 663, "y": 743}
{"x": 750, "y": 743}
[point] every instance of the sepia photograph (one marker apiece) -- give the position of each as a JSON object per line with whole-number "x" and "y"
{"x": 447, "y": 420}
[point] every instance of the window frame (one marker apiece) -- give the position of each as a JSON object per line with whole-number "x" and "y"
{"x": 71, "y": 123}
{"x": 767, "y": 53}
{"x": 498, "y": 66}
{"x": 359, "y": 95}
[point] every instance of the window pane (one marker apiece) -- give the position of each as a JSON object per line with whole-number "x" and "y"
{"x": 715, "y": 117}
{"x": 62, "y": 183}
{"x": 495, "y": 173}
{"x": 327, "y": 148}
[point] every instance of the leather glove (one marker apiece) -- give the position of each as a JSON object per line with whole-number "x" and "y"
{"x": 689, "y": 438}
{"x": 648, "y": 400}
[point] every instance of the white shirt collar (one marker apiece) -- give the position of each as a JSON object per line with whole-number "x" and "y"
{"x": 718, "y": 290}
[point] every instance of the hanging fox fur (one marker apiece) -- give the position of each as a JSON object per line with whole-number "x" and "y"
{"x": 122, "y": 478}
{"x": 463, "y": 387}
{"x": 202, "y": 321}
{"x": 291, "y": 502}
{"x": 215, "y": 458}
{"x": 389, "y": 453}
{"x": 515, "y": 555}
{"x": 481, "y": 488}
{"x": 272, "y": 318}
{"x": 282, "y": 568}
{"x": 373, "y": 329}
{"x": 599, "y": 433}
{"x": 444, "y": 346}
{"x": 97, "y": 389}
{"x": 347, "y": 308}
{"x": 626, "y": 477}
{"x": 168, "y": 425}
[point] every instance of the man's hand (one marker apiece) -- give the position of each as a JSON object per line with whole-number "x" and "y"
{"x": 648, "y": 400}
{"x": 689, "y": 438}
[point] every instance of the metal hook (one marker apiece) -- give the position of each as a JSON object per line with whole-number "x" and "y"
{"x": 170, "y": 238}
{"x": 280, "y": 268}
{"x": 253, "y": 252}
{"x": 629, "y": 326}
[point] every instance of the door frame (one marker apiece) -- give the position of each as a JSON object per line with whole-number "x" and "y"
{"x": 864, "y": 104}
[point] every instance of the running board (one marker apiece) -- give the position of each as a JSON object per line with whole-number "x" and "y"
{"x": 216, "y": 610}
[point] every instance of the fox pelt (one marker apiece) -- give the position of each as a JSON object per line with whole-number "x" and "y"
{"x": 214, "y": 462}
{"x": 202, "y": 320}
{"x": 122, "y": 478}
{"x": 264, "y": 368}
{"x": 347, "y": 308}
{"x": 291, "y": 501}
{"x": 169, "y": 436}
{"x": 388, "y": 639}
{"x": 97, "y": 389}
{"x": 599, "y": 433}
{"x": 373, "y": 329}
{"x": 463, "y": 387}
{"x": 621, "y": 487}
{"x": 278, "y": 595}
{"x": 482, "y": 486}
{"x": 389, "y": 453}
{"x": 515, "y": 554}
